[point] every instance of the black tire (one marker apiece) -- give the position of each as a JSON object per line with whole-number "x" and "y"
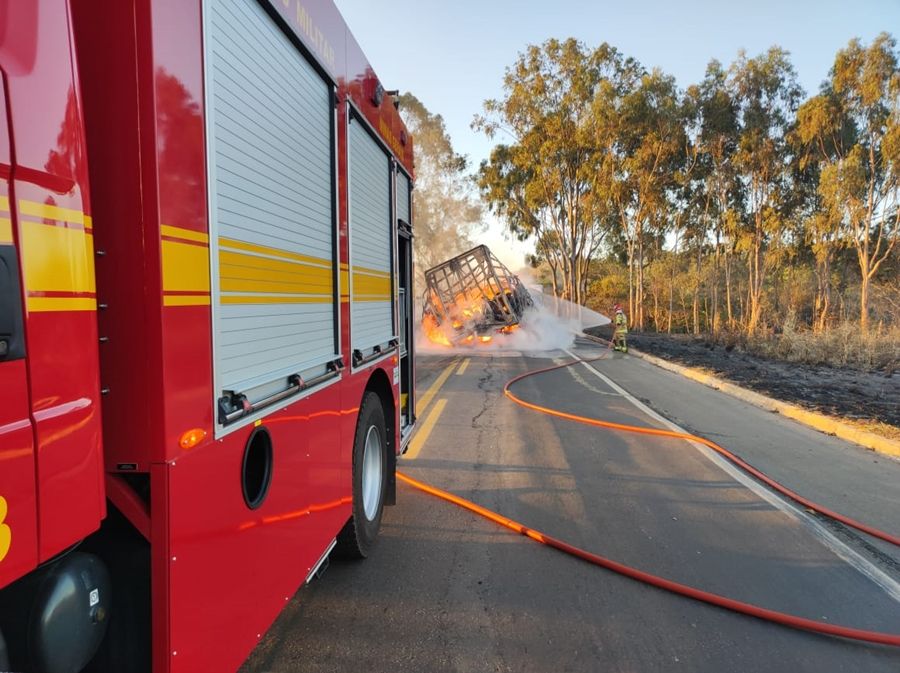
{"x": 127, "y": 646}
{"x": 4, "y": 657}
{"x": 358, "y": 535}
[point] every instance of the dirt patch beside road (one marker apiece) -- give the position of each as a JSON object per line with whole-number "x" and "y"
{"x": 869, "y": 400}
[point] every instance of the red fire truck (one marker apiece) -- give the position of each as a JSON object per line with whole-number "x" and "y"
{"x": 206, "y": 365}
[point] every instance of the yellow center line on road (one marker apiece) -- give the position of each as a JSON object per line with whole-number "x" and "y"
{"x": 424, "y": 430}
{"x": 462, "y": 367}
{"x": 429, "y": 394}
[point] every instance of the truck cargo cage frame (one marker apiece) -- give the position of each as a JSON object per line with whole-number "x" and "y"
{"x": 474, "y": 293}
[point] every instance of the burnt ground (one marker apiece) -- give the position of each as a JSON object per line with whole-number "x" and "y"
{"x": 869, "y": 399}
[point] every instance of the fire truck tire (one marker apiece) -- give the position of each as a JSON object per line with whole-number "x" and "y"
{"x": 370, "y": 466}
{"x": 4, "y": 657}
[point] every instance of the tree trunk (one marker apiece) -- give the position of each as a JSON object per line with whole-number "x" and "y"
{"x": 553, "y": 278}
{"x": 754, "y": 294}
{"x": 696, "y": 314}
{"x": 640, "y": 283}
{"x": 706, "y": 312}
{"x": 671, "y": 298}
{"x": 864, "y": 302}
{"x": 631, "y": 281}
{"x": 714, "y": 326}
{"x": 728, "y": 306}
{"x": 655, "y": 310}
{"x": 823, "y": 294}
{"x": 567, "y": 278}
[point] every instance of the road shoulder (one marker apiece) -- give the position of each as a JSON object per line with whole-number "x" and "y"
{"x": 817, "y": 421}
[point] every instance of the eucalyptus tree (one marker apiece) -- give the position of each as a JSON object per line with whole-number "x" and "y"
{"x": 860, "y": 178}
{"x": 541, "y": 181}
{"x": 823, "y": 137}
{"x": 767, "y": 95}
{"x": 613, "y": 183}
{"x": 653, "y": 141}
{"x": 689, "y": 201}
{"x": 717, "y": 143}
{"x": 446, "y": 205}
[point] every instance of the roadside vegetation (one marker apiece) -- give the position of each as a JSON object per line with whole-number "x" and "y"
{"x": 739, "y": 208}
{"x": 447, "y": 209}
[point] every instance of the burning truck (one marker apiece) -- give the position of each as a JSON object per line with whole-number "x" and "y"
{"x": 472, "y": 297}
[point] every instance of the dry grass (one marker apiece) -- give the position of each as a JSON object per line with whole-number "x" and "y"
{"x": 840, "y": 346}
{"x": 875, "y": 426}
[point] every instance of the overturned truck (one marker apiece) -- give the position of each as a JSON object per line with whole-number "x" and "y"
{"x": 471, "y": 296}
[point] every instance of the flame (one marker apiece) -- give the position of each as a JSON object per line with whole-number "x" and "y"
{"x": 433, "y": 330}
{"x": 456, "y": 322}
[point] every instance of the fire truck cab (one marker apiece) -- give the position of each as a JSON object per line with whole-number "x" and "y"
{"x": 206, "y": 355}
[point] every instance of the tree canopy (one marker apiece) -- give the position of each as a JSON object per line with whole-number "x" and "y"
{"x": 447, "y": 211}
{"x": 729, "y": 184}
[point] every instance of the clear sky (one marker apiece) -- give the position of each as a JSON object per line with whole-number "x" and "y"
{"x": 452, "y": 54}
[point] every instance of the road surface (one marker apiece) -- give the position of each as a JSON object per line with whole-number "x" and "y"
{"x": 447, "y": 591}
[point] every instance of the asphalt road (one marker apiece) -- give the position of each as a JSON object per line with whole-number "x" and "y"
{"x": 447, "y": 591}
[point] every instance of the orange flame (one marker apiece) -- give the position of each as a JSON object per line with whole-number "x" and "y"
{"x": 462, "y": 315}
{"x": 433, "y": 330}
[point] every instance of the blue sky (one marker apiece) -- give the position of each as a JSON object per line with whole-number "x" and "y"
{"x": 452, "y": 54}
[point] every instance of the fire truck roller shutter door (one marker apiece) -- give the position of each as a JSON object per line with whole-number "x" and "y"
{"x": 371, "y": 316}
{"x": 270, "y": 142}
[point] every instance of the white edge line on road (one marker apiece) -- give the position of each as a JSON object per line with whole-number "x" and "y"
{"x": 840, "y": 548}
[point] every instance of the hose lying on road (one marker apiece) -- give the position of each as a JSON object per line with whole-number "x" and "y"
{"x": 744, "y": 465}
{"x": 792, "y": 621}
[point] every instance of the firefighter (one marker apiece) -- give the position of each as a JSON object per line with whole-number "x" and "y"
{"x": 621, "y": 330}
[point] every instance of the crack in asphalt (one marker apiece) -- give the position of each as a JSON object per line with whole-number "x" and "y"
{"x": 484, "y": 382}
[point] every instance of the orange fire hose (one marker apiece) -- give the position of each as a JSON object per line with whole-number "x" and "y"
{"x": 792, "y": 621}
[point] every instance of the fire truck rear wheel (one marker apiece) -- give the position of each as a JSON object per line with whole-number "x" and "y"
{"x": 370, "y": 466}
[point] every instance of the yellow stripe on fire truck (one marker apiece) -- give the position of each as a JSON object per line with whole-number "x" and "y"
{"x": 250, "y": 273}
{"x": 345, "y": 282}
{"x": 185, "y": 234}
{"x": 232, "y": 244}
{"x": 6, "y": 236}
{"x": 256, "y": 274}
{"x": 48, "y": 212}
{"x": 370, "y": 285}
{"x": 185, "y": 266}
{"x": 241, "y": 272}
{"x": 58, "y": 260}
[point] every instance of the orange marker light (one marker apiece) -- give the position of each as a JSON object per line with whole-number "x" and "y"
{"x": 191, "y": 438}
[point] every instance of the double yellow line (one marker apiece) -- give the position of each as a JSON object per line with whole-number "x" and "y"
{"x": 424, "y": 430}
